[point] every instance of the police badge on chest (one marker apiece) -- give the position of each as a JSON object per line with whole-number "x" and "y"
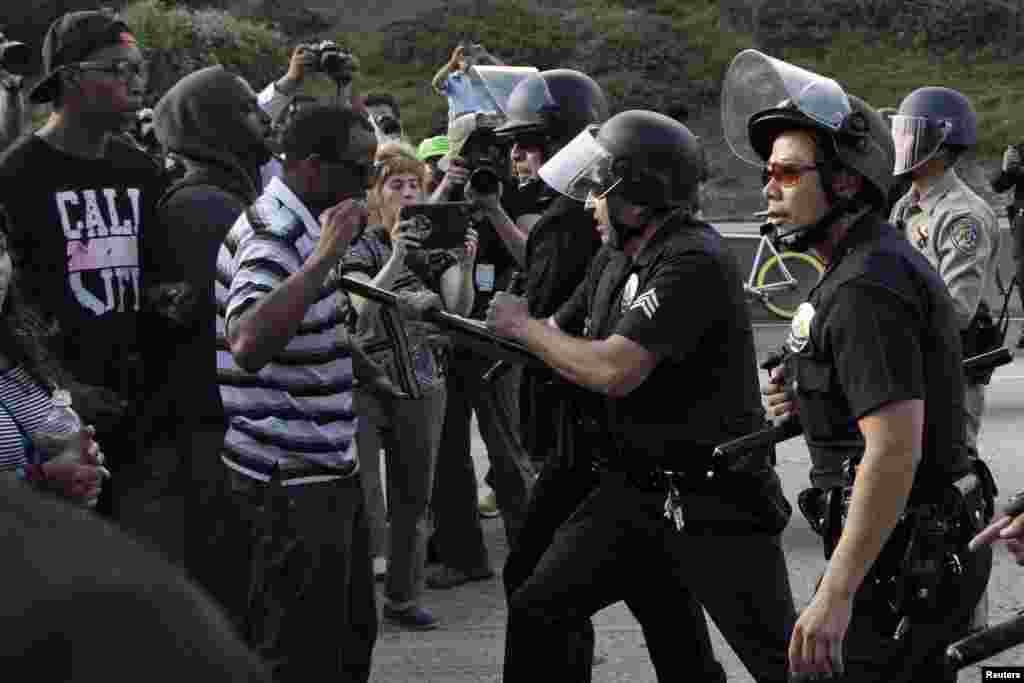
{"x": 629, "y": 292}
{"x": 800, "y": 329}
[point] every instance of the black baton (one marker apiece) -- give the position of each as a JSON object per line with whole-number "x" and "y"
{"x": 791, "y": 426}
{"x": 985, "y": 643}
{"x": 517, "y": 286}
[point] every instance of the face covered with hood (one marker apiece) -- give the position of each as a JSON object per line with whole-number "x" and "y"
{"x": 212, "y": 116}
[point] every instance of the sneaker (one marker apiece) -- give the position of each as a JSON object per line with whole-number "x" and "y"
{"x": 487, "y": 503}
{"x": 413, "y": 618}
{"x": 450, "y": 577}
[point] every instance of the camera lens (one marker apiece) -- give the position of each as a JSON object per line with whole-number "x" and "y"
{"x": 389, "y": 125}
{"x": 484, "y": 181}
{"x": 14, "y": 55}
{"x": 330, "y": 62}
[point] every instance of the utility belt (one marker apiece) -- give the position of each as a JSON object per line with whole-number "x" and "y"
{"x": 702, "y": 495}
{"x": 925, "y": 549}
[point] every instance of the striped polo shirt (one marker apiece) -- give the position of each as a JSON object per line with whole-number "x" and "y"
{"x": 296, "y": 412}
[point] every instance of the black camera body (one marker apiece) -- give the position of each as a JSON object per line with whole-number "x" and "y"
{"x": 335, "y": 61}
{"x": 388, "y": 125}
{"x": 486, "y": 157}
{"x": 14, "y": 56}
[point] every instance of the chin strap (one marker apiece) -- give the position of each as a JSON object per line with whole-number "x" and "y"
{"x": 621, "y": 234}
{"x": 803, "y": 237}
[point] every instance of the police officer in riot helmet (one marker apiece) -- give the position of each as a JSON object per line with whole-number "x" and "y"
{"x": 659, "y": 500}
{"x": 867, "y": 374}
{"x": 952, "y": 226}
{"x": 554, "y": 241}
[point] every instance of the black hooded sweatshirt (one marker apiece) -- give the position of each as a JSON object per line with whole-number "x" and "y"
{"x": 202, "y": 120}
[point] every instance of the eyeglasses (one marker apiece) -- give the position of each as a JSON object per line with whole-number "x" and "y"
{"x": 123, "y": 69}
{"x": 787, "y": 175}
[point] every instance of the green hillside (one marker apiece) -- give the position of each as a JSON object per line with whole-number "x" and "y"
{"x": 657, "y": 54}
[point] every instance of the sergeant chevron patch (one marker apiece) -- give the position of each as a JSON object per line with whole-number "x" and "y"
{"x": 648, "y": 303}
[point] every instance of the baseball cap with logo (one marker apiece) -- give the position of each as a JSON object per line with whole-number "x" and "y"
{"x": 71, "y": 39}
{"x": 462, "y": 128}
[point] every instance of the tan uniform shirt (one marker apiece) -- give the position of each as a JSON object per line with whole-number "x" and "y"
{"x": 959, "y": 234}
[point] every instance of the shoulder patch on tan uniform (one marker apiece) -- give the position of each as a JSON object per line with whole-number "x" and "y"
{"x": 964, "y": 233}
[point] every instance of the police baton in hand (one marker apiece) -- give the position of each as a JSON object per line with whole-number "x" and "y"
{"x": 985, "y": 643}
{"x": 727, "y": 453}
{"x": 516, "y": 286}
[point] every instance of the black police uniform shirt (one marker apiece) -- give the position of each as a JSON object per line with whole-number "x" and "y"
{"x": 878, "y": 328}
{"x": 682, "y": 300}
{"x": 75, "y": 240}
{"x": 559, "y": 249}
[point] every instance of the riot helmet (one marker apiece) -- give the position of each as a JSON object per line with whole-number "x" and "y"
{"x": 555, "y": 104}
{"x": 929, "y": 119}
{"x": 645, "y": 157}
{"x": 641, "y": 157}
{"x": 762, "y": 97}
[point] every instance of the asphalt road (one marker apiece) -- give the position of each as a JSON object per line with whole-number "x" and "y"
{"x": 469, "y": 644}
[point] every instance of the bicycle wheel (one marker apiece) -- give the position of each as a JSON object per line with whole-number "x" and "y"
{"x": 804, "y": 268}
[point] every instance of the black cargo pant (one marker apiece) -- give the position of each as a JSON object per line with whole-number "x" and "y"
{"x": 1017, "y": 231}
{"x": 458, "y": 535}
{"x": 558, "y": 491}
{"x": 871, "y": 653}
{"x": 617, "y": 546}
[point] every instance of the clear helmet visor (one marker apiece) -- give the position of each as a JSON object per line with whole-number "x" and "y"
{"x": 494, "y": 84}
{"x": 916, "y": 140}
{"x": 581, "y": 169}
{"x": 756, "y": 82}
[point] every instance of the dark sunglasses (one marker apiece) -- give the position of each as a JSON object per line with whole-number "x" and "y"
{"x": 531, "y": 140}
{"x": 787, "y": 175}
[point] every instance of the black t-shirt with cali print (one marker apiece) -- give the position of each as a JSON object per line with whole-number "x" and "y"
{"x": 76, "y": 229}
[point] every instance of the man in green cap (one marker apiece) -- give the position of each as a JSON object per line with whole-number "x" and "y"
{"x": 430, "y": 151}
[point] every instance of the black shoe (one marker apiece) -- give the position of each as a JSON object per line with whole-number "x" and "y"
{"x": 1020, "y": 342}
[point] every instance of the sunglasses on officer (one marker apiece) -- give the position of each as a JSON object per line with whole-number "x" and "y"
{"x": 530, "y": 140}
{"x": 785, "y": 174}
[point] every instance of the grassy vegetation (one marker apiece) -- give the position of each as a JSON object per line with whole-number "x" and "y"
{"x": 880, "y": 69}
{"x": 883, "y": 72}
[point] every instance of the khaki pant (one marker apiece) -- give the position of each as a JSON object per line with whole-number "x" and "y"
{"x": 409, "y": 430}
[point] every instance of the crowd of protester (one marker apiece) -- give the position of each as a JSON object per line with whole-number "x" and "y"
{"x": 280, "y": 442}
